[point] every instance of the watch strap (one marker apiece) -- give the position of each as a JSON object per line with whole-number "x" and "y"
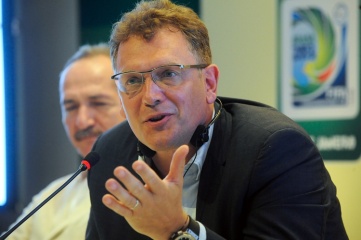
{"x": 193, "y": 228}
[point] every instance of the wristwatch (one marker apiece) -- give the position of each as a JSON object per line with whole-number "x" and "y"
{"x": 190, "y": 233}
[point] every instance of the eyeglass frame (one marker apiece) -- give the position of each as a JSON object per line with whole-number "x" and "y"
{"x": 181, "y": 66}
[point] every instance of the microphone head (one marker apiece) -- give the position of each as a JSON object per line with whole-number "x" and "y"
{"x": 90, "y": 160}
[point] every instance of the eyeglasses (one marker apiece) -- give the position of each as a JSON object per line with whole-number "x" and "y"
{"x": 131, "y": 82}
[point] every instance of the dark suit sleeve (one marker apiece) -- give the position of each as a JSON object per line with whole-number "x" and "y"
{"x": 213, "y": 236}
{"x": 91, "y": 231}
{"x": 292, "y": 195}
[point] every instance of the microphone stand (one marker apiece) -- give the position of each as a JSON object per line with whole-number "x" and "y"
{"x": 81, "y": 168}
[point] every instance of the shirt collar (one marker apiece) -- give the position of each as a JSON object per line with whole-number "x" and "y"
{"x": 200, "y": 154}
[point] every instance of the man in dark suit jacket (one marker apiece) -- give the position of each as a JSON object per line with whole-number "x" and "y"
{"x": 208, "y": 168}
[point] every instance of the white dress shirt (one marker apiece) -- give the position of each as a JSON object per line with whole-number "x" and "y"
{"x": 64, "y": 217}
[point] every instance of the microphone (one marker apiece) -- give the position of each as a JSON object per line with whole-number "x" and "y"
{"x": 89, "y": 161}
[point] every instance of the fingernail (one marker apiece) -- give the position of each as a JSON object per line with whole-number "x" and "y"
{"x": 107, "y": 201}
{"x": 120, "y": 173}
{"x": 113, "y": 186}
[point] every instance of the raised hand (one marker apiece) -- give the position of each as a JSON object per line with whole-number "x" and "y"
{"x": 154, "y": 208}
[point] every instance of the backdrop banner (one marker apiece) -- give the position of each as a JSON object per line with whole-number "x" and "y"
{"x": 319, "y": 77}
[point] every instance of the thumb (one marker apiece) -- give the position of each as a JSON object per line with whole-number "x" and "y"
{"x": 177, "y": 164}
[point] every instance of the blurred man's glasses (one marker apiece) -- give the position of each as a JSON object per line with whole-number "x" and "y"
{"x": 131, "y": 82}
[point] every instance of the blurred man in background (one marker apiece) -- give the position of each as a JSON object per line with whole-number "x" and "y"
{"x": 90, "y": 105}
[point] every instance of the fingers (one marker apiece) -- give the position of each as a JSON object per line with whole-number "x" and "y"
{"x": 120, "y": 200}
{"x": 126, "y": 199}
{"x": 175, "y": 172}
{"x": 134, "y": 186}
{"x": 177, "y": 165}
{"x": 118, "y": 207}
{"x": 112, "y": 203}
{"x": 150, "y": 178}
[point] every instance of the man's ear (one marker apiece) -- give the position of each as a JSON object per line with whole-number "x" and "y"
{"x": 211, "y": 74}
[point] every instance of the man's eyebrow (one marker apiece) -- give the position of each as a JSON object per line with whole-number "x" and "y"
{"x": 93, "y": 97}
{"x": 100, "y": 96}
{"x": 67, "y": 101}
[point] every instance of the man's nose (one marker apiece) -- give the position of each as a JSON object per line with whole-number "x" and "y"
{"x": 151, "y": 91}
{"x": 85, "y": 117}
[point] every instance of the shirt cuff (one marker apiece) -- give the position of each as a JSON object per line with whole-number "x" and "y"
{"x": 202, "y": 232}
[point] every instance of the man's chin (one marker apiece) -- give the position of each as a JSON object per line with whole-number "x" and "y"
{"x": 87, "y": 145}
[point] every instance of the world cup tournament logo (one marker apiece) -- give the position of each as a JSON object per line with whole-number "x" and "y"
{"x": 319, "y": 63}
{"x": 318, "y": 80}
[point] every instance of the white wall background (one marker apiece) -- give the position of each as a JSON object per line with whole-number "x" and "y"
{"x": 243, "y": 41}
